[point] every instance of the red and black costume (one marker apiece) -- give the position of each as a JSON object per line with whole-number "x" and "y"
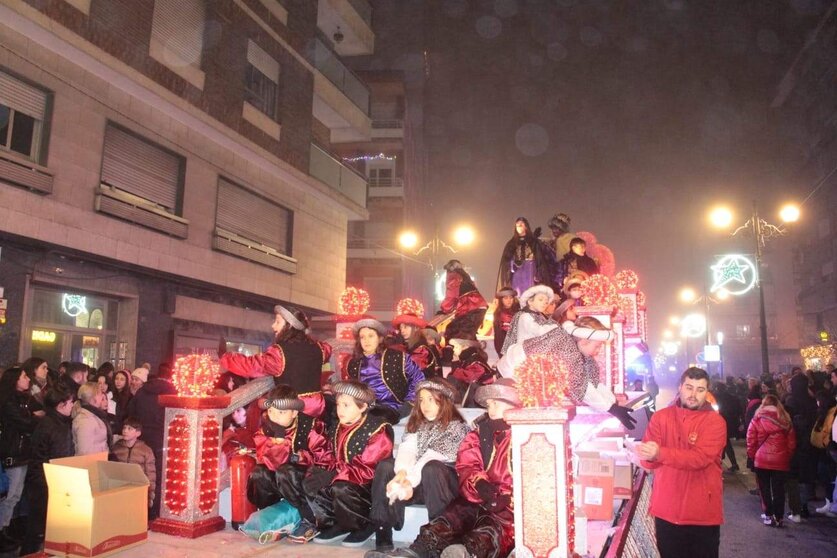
{"x": 502, "y": 324}
{"x": 465, "y": 301}
{"x": 283, "y": 457}
{"x": 298, "y": 363}
{"x": 482, "y": 517}
{"x": 470, "y": 372}
{"x": 357, "y": 449}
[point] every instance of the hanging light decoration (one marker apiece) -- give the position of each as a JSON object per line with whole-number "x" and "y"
{"x": 598, "y": 290}
{"x": 354, "y": 302}
{"x": 195, "y": 375}
{"x": 626, "y": 280}
{"x": 541, "y": 381}
{"x": 409, "y": 306}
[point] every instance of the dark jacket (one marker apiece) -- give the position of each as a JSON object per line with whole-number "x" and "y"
{"x": 802, "y": 409}
{"x": 145, "y": 408}
{"x": 18, "y": 423}
{"x": 52, "y": 438}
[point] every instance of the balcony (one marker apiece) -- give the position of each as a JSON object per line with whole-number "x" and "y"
{"x": 372, "y": 249}
{"x": 388, "y": 128}
{"x": 386, "y": 187}
{"x": 341, "y": 99}
{"x": 354, "y": 18}
{"x": 329, "y": 170}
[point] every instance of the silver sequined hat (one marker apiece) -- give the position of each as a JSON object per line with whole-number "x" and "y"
{"x": 360, "y": 391}
{"x": 285, "y": 404}
{"x": 504, "y": 389}
{"x": 437, "y": 385}
{"x": 371, "y": 323}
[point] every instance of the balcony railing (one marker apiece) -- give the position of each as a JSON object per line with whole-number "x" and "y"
{"x": 392, "y": 123}
{"x": 328, "y": 169}
{"x": 386, "y": 182}
{"x": 331, "y": 67}
{"x": 363, "y": 9}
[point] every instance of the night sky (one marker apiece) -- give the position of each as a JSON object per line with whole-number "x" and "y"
{"x": 632, "y": 117}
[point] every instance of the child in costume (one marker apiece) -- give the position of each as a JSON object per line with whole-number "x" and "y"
{"x": 531, "y": 321}
{"x": 342, "y": 497}
{"x": 410, "y": 337}
{"x": 506, "y": 307}
{"x": 464, "y": 300}
{"x": 391, "y": 374}
{"x": 288, "y": 444}
{"x": 480, "y": 521}
{"x": 423, "y": 471}
{"x": 469, "y": 369}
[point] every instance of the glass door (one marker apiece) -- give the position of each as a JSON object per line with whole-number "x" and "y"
{"x": 85, "y": 348}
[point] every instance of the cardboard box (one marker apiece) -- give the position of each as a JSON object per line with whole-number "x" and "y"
{"x": 623, "y": 480}
{"x": 96, "y": 507}
{"x": 595, "y": 479}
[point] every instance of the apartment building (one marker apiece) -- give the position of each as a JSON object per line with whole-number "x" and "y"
{"x": 168, "y": 171}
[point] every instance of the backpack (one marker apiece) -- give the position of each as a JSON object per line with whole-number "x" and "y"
{"x": 821, "y": 437}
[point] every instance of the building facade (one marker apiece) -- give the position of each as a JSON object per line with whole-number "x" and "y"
{"x": 167, "y": 171}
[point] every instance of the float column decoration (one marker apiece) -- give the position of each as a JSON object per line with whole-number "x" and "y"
{"x": 191, "y": 451}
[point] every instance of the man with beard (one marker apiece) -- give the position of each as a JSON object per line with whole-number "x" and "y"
{"x": 682, "y": 446}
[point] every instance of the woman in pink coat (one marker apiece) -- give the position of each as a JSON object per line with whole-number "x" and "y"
{"x": 770, "y": 444}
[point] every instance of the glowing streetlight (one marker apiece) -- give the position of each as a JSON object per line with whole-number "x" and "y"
{"x": 720, "y": 217}
{"x": 464, "y": 235}
{"x": 722, "y": 294}
{"x": 687, "y": 295}
{"x": 408, "y": 239}
{"x": 789, "y": 213}
{"x": 667, "y": 334}
{"x": 674, "y": 320}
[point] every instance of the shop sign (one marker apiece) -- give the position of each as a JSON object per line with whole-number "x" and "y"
{"x": 73, "y": 305}
{"x": 42, "y": 336}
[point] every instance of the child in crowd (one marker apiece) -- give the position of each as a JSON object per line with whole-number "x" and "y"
{"x": 52, "y": 439}
{"x": 130, "y": 449}
{"x": 505, "y": 308}
{"x": 390, "y": 374}
{"x": 423, "y": 472}
{"x": 480, "y": 522}
{"x": 288, "y": 444}
{"x": 360, "y": 441}
{"x": 411, "y": 338}
{"x": 469, "y": 369}
{"x": 532, "y": 320}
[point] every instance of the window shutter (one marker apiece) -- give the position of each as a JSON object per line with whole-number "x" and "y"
{"x": 178, "y": 25}
{"x": 21, "y": 97}
{"x": 262, "y": 61}
{"x": 253, "y": 217}
{"x": 141, "y": 168}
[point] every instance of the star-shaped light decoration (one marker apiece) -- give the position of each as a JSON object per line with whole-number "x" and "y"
{"x": 735, "y": 274}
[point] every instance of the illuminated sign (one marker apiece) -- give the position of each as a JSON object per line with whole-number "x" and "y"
{"x": 712, "y": 353}
{"x": 73, "y": 305}
{"x": 734, "y": 274}
{"x": 693, "y": 325}
{"x": 43, "y": 336}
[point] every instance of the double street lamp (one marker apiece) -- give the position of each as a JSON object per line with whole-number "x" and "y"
{"x": 689, "y": 295}
{"x": 461, "y": 237}
{"x": 761, "y": 230}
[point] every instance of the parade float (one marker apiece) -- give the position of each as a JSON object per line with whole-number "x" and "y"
{"x": 576, "y": 491}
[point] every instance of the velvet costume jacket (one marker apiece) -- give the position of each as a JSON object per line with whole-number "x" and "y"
{"x": 469, "y": 368}
{"x": 358, "y": 447}
{"x": 392, "y": 375}
{"x": 461, "y": 295}
{"x": 305, "y": 438}
{"x": 484, "y": 455}
{"x": 299, "y": 364}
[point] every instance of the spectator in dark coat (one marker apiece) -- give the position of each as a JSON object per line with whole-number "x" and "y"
{"x": 73, "y": 377}
{"x": 802, "y": 408}
{"x": 52, "y": 439}
{"x": 145, "y": 408}
{"x": 730, "y": 410}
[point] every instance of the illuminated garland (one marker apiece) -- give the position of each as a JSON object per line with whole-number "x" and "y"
{"x": 541, "y": 381}
{"x": 195, "y": 375}
{"x": 354, "y": 302}
{"x": 378, "y": 157}
{"x": 641, "y": 299}
{"x": 626, "y": 280}
{"x": 177, "y": 465}
{"x": 822, "y": 353}
{"x": 209, "y": 466}
{"x": 409, "y": 306}
{"x": 598, "y": 290}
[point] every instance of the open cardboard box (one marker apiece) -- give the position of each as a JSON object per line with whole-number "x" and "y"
{"x": 96, "y": 507}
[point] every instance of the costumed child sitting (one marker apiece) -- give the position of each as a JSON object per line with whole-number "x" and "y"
{"x": 532, "y": 319}
{"x": 130, "y": 449}
{"x": 391, "y": 374}
{"x": 469, "y": 369}
{"x": 463, "y": 300}
{"x": 423, "y": 471}
{"x": 411, "y": 337}
{"x": 342, "y": 497}
{"x": 505, "y": 308}
{"x": 288, "y": 444}
{"x": 480, "y": 521}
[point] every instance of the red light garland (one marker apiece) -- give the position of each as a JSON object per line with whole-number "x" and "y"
{"x": 541, "y": 381}
{"x": 640, "y": 299}
{"x": 177, "y": 465}
{"x": 409, "y": 306}
{"x": 626, "y": 280}
{"x": 195, "y": 375}
{"x": 598, "y": 290}
{"x": 209, "y": 465}
{"x": 354, "y": 302}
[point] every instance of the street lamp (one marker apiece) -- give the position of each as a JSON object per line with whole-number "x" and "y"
{"x": 462, "y": 236}
{"x": 689, "y": 295}
{"x": 761, "y": 231}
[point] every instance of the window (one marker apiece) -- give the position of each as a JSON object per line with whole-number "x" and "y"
{"x": 254, "y": 218}
{"x": 742, "y": 330}
{"x": 143, "y": 169}
{"x": 261, "y": 87}
{"x": 22, "y": 111}
{"x": 380, "y": 177}
{"x": 177, "y": 37}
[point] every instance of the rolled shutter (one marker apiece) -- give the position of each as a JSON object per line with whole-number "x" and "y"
{"x": 178, "y": 25}
{"x": 253, "y": 217}
{"x": 262, "y": 61}
{"x": 141, "y": 168}
{"x": 21, "y": 97}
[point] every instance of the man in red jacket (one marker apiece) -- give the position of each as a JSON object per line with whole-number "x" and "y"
{"x": 682, "y": 446}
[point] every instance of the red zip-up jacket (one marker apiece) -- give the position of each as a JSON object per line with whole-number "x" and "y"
{"x": 688, "y": 482}
{"x": 770, "y": 440}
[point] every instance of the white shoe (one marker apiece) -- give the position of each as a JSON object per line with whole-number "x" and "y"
{"x": 794, "y": 518}
{"x": 824, "y": 508}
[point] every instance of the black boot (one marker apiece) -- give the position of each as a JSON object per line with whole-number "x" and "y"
{"x": 7, "y": 542}
{"x": 383, "y": 539}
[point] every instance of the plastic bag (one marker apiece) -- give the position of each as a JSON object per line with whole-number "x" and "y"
{"x": 272, "y": 523}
